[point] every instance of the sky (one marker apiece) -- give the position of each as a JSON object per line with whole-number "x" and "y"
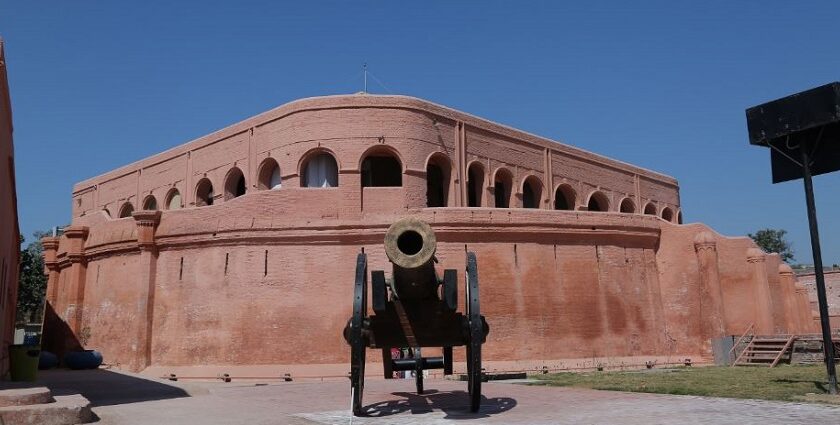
{"x": 663, "y": 85}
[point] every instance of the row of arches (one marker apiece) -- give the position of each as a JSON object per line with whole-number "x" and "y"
{"x": 173, "y": 202}
{"x": 565, "y": 196}
{"x": 234, "y": 186}
{"x": 381, "y": 166}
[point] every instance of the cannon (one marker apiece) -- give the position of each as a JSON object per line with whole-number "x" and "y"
{"x": 414, "y": 308}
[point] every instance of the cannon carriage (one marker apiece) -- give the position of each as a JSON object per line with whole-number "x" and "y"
{"x": 414, "y": 308}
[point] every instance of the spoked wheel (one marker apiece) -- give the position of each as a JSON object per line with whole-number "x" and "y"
{"x": 357, "y": 342}
{"x": 476, "y": 327}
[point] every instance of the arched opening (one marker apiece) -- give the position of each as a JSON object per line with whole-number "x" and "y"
{"x": 234, "y": 184}
{"x": 531, "y": 192}
{"x": 598, "y": 202}
{"x": 381, "y": 169}
{"x": 564, "y": 198}
{"x": 650, "y": 209}
{"x": 679, "y": 218}
{"x": 667, "y": 214}
{"x": 437, "y": 181}
{"x": 502, "y": 184}
{"x": 150, "y": 203}
{"x": 475, "y": 184}
{"x": 627, "y": 206}
{"x": 269, "y": 175}
{"x": 126, "y": 210}
{"x": 320, "y": 170}
{"x": 173, "y": 199}
{"x": 203, "y": 193}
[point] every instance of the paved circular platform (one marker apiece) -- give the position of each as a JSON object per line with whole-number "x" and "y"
{"x": 394, "y": 402}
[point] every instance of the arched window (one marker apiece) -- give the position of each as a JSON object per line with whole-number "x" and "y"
{"x": 269, "y": 176}
{"x": 564, "y": 198}
{"x": 437, "y": 180}
{"x": 650, "y": 209}
{"x": 667, "y": 214}
{"x": 381, "y": 169}
{"x": 126, "y": 209}
{"x": 679, "y": 218}
{"x": 531, "y": 192}
{"x": 598, "y": 202}
{"x": 502, "y": 184}
{"x": 320, "y": 170}
{"x": 475, "y": 184}
{"x": 627, "y": 206}
{"x": 204, "y": 193}
{"x": 234, "y": 184}
{"x": 173, "y": 199}
{"x": 150, "y": 203}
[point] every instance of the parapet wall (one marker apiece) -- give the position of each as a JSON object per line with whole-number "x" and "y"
{"x": 265, "y": 279}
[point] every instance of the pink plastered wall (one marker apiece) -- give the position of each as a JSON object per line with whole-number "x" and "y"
{"x": 9, "y": 231}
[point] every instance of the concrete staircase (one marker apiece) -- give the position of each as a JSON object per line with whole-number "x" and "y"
{"x": 27, "y": 406}
{"x": 765, "y": 350}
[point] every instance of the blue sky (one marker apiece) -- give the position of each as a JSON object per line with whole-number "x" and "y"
{"x": 664, "y": 85}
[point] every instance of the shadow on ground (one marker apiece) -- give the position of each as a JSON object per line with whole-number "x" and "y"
{"x": 101, "y": 387}
{"x": 455, "y": 404}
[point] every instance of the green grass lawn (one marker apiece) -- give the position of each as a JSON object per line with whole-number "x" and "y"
{"x": 788, "y": 383}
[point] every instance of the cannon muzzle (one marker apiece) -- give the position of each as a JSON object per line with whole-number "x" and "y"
{"x": 410, "y": 245}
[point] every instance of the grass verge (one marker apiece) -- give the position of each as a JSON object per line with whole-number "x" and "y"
{"x": 787, "y": 383}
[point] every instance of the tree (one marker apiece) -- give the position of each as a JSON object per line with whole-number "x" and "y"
{"x": 32, "y": 281}
{"x": 773, "y": 240}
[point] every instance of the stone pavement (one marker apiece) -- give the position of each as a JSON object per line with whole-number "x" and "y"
{"x": 393, "y": 402}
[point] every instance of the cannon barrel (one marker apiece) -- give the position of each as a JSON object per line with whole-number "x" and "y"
{"x": 410, "y": 244}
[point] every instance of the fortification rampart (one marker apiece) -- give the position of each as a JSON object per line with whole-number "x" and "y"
{"x": 237, "y": 249}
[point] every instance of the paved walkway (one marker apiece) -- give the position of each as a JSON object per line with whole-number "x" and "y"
{"x": 393, "y": 402}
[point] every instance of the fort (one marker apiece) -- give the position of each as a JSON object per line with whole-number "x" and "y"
{"x": 235, "y": 251}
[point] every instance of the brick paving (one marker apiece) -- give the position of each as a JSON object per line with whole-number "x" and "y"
{"x": 393, "y": 402}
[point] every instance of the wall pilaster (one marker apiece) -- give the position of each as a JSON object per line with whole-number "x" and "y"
{"x": 50, "y": 245}
{"x": 763, "y": 302}
{"x": 792, "y": 315}
{"x": 548, "y": 173}
{"x": 806, "y": 318}
{"x": 147, "y": 222}
{"x": 74, "y": 291}
{"x": 711, "y": 300}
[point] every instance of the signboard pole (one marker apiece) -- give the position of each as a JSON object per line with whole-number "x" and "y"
{"x": 828, "y": 345}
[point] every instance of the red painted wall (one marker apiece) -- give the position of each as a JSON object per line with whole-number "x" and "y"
{"x": 9, "y": 233}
